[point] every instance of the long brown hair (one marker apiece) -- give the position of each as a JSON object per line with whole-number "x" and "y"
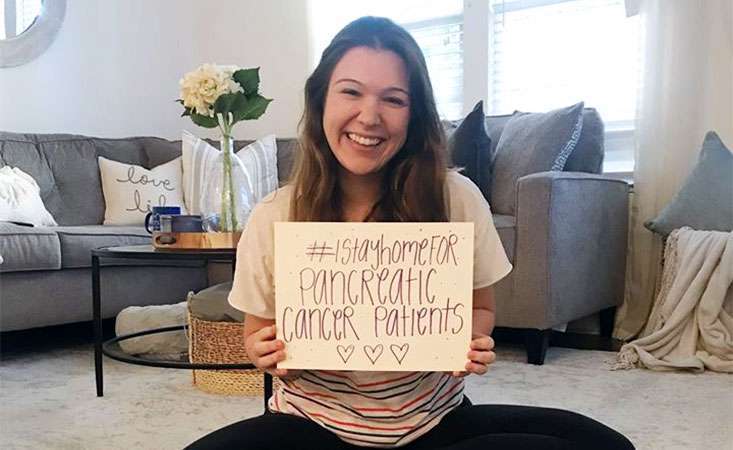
{"x": 412, "y": 189}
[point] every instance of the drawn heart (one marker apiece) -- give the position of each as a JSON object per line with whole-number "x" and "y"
{"x": 399, "y": 351}
{"x": 345, "y": 352}
{"x": 373, "y": 353}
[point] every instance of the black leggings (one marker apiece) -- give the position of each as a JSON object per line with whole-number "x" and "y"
{"x": 491, "y": 427}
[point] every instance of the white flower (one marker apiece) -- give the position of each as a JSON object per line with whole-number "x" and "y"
{"x": 201, "y": 87}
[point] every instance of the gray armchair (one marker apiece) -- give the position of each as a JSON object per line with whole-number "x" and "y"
{"x": 567, "y": 242}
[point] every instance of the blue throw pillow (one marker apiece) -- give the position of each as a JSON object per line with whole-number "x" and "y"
{"x": 469, "y": 146}
{"x": 705, "y": 201}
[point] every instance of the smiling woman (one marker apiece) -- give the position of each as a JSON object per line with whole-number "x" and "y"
{"x": 373, "y": 149}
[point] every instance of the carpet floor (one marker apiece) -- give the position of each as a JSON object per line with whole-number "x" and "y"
{"x": 48, "y": 401}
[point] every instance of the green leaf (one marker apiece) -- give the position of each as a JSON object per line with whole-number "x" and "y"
{"x": 255, "y": 107}
{"x": 249, "y": 79}
{"x": 204, "y": 121}
{"x": 230, "y": 103}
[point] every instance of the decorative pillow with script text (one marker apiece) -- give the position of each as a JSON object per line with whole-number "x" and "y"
{"x": 130, "y": 191}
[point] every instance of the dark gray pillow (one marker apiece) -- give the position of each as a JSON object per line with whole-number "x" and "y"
{"x": 705, "y": 201}
{"x": 531, "y": 143}
{"x": 469, "y": 147}
{"x": 212, "y": 304}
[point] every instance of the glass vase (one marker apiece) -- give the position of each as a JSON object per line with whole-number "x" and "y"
{"x": 227, "y": 198}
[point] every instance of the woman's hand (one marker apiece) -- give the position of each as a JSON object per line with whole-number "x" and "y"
{"x": 480, "y": 355}
{"x": 265, "y": 351}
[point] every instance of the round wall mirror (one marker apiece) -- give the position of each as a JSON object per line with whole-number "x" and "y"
{"x": 16, "y": 16}
{"x": 27, "y": 28}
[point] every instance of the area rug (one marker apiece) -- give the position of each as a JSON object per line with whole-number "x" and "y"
{"x": 48, "y": 401}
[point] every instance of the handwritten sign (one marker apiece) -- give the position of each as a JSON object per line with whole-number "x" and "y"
{"x": 374, "y": 296}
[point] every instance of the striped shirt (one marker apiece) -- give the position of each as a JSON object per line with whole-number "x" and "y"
{"x": 372, "y": 409}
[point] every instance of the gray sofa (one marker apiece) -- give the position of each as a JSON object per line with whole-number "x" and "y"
{"x": 567, "y": 240}
{"x": 45, "y": 275}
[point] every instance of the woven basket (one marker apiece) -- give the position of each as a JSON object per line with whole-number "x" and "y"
{"x": 221, "y": 343}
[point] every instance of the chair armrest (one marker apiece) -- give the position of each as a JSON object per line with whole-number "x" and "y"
{"x": 570, "y": 246}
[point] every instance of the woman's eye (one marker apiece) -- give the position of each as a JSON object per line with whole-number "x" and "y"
{"x": 352, "y": 92}
{"x": 396, "y": 101}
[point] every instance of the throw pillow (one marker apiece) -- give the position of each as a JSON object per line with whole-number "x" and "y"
{"x": 20, "y": 199}
{"x": 531, "y": 143}
{"x": 259, "y": 159}
{"x": 469, "y": 147}
{"x": 705, "y": 201}
{"x": 167, "y": 346}
{"x": 130, "y": 191}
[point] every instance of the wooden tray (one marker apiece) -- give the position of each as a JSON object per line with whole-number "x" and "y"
{"x": 196, "y": 241}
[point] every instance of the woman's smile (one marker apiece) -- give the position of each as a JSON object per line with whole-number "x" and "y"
{"x": 366, "y": 141}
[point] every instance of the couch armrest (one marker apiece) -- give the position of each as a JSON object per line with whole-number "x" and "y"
{"x": 570, "y": 247}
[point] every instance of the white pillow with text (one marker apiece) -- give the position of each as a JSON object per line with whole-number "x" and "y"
{"x": 130, "y": 191}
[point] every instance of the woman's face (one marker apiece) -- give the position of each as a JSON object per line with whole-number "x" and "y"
{"x": 367, "y": 109}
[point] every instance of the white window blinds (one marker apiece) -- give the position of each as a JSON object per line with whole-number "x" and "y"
{"x": 546, "y": 54}
{"x": 441, "y": 41}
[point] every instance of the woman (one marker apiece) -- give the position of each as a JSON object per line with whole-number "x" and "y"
{"x": 373, "y": 150}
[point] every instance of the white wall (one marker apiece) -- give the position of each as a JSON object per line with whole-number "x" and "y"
{"x": 114, "y": 67}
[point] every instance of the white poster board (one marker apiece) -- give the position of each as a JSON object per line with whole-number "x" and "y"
{"x": 374, "y": 296}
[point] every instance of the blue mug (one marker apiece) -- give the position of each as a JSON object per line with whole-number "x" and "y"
{"x": 177, "y": 223}
{"x": 152, "y": 219}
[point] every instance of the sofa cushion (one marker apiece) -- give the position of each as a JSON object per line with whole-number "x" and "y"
{"x": 158, "y": 151}
{"x": 77, "y": 242}
{"x": 20, "y": 150}
{"x": 73, "y": 162}
{"x": 506, "y": 227}
{"x": 532, "y": 143}
{"x": 494, "y": 126}
{"x": 28, "y": 248}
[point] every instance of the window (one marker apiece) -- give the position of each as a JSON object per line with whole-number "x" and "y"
{"x": 546, "y": 54}
{"x": 530, "y": 55}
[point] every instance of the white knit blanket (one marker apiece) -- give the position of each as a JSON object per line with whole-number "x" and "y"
{"x": 691, "y": 323}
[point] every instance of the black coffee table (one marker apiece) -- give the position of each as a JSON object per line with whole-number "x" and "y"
{"x": 111, "y": 348}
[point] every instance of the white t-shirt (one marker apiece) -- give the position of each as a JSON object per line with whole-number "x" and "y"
{"x": 376, "y": 409}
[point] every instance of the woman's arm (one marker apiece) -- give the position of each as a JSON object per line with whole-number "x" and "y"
{"x": 484, "y": 308}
